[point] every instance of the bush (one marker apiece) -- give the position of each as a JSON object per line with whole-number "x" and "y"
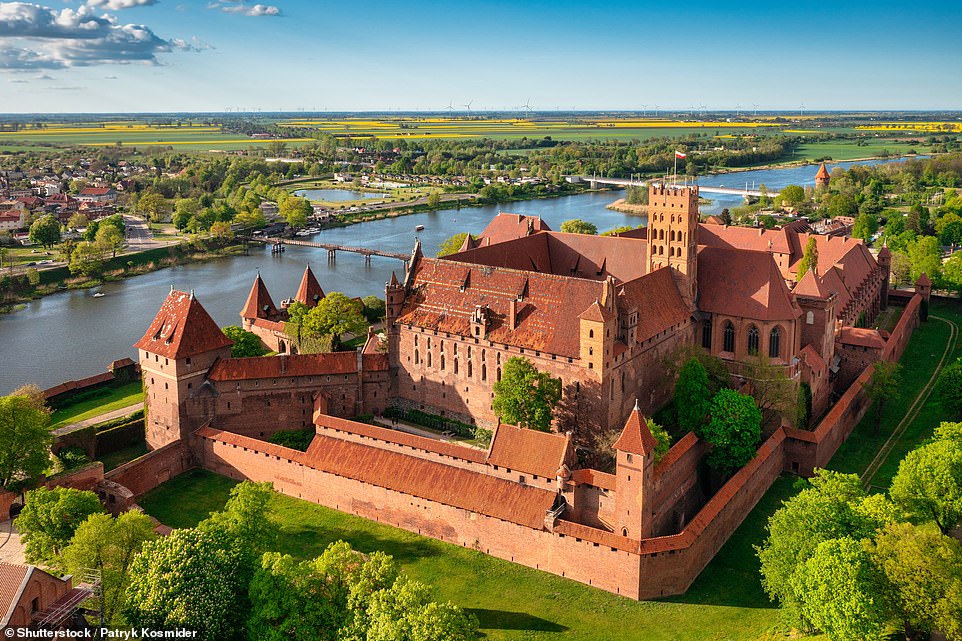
{"x": 294, "y": 439}
{"x": 72, "y": 457}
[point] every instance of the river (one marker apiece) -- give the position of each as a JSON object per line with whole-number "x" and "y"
{"x": 71, "y": 334}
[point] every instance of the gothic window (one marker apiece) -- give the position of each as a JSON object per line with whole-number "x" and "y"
{"x": 752, "y": 340}
{"x": 484, "y": 372}
{"x": 442, "y": 360}
{"x": 415, "y": 340}
{"x": 773, "y": 343}
{"x": 429, "y": 359}
{"x": 469, "y": 369}
{"x": 455, "y": 365}
{"x": 417, "y": 357}
{"x": 499, "y": 373}
{"x": 591, "y": 333}
{"x": 810, "y": 318}
{"x": 671, "y": 235}
{"x": 429, "y": 342}
{"x": 483, "y": 355}
{"x": 706, "y": 334}
{"x": 729, "y": 343}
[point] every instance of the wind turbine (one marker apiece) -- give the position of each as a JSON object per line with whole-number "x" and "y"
{"x": 468, "y": 106}
{"x": 450, "y": 106}
{"x": 801, "y": 110}
{"x": 738, "y": 109}
{"x": 645, "y": 108}
{"x": 657, "y": 107}
{"x": 754, "y": 109}
{"x": 527, "y": 108}
{"x": 704, "y": 110}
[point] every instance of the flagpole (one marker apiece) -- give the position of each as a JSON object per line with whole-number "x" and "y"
{"x": 674, "y": 176}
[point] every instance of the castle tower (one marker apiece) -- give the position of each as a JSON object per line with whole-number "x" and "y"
{"x": 596, "y": 337}
{"x": 178, "y": 349}
{"x": 673, "y": 235}
{"x": 923, "y": 287}
{"x": 822, "y": 178}
{"x": 634, "y": 482}
{"x": 259, "y": 304}
{"x": 885, "y": 264}
{"x": 393, "y": 304}
{"x": 309, "y": 292}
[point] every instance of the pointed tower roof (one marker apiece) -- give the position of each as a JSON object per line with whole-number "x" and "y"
{"x": 822, "y": 173}
{"x": 394, "y": 281}
{"x": 636, "y": 438}
{"x": 309, "y": 292}
{"x": 923, "y": 280}
{"x": 259, "y": 303}
{"x": 182, "y": 328}
{"x": 812, "y": 285}
{"x": 596, "y": 313}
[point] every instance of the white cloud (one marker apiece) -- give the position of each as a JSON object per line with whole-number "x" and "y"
{"x": 33, "y": 36}
{"x": 117, "y": 5}
{"x": 235, "y": 6}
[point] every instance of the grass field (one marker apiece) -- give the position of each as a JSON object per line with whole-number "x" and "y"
{"x": 514, "y": 602}
{"x": 99, "y": 401}
{"x": 849, "y": 150}
{"x": 397, "y": 195}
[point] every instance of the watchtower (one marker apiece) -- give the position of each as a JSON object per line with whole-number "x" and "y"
{"x": 634, "y": 482}
{"x": 673, "y": 235}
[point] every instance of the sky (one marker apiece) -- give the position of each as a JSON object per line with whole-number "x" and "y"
{"x": 380, "y": 55}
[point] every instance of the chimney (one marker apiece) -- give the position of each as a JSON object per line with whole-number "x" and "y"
{"x": 512, "y": 314}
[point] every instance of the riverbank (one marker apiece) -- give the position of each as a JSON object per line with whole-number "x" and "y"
{"x": 626, "y": 208}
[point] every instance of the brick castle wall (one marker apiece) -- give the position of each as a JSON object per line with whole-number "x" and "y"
{"x": 150, "y": 470}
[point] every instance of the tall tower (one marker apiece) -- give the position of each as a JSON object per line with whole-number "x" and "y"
{"x": 634, "y": 482}
{"x": 179, "y": 347}
{"x": 673, "y": 235}
{"x": 822, "y": 177}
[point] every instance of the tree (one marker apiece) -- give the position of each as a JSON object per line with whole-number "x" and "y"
{"x": 77, "y": 221}
{"x": 109, "y": 545}
{"x": 153, "y": 206}
{"x": 928, "y": 485}
{"x": 952, "y": 272}
{"x": 809, "y": 259}
{"x": 221, "y": 231}
{"x": 775, "y": 394}
{"x": 246, "y": 344}
{"x": 923, "y": 567}
{"x": 792, "y": 195}
{"x": 692, "y": 396}
{"x": 50, "y": 518}
{"x": 87, "y": 258}
{"x": 374, "y": 308}
{"x": 336, "y": 315}
{"x": 24, "y": 438}
{"x": 45, "y": 231}
{"x": 865, "y": 227}
{"x": 948, "y": 388}
{"x": 726, "y": 216}
{"x": 452, "y": 245}
{"x": 434, "y": 200}
{"x": 405, "y": 612}
{"x": 295, "y": 211}
{"x": 662, "y": 439}
{"x": 884, "y": 385}
{"x": 526, "y": 396}
{"x": 184, "y": 210}
{"x": 109, "y": 239}
{"x": 832, "y": 505}
{"x": 841, "y": 592}
{"x": 925, "y": 256}
{"x": 842, "y": 205}
{"x": 578, "y": 226}
{"x": 733, "y": 430}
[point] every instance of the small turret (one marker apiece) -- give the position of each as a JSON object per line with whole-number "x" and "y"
{"x": 634, "y": 491}
{"x": 822, "y": 178}
{"x": 923, "y": 287}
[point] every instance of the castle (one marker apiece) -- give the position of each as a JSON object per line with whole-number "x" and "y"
{"x": 600, "y": 313}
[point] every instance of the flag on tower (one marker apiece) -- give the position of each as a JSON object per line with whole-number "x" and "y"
{"x": 679, "y": 154}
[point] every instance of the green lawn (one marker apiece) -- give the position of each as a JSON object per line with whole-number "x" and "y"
{"x": 118, "y": 458}
{"x": 849, "y": 150}
{"x": 98, "y": 401}
{"x": 511, "y": 601}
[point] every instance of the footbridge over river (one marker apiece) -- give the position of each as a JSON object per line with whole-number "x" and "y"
{"x": 596, "y": 181}
{"x": 332, "y": 249}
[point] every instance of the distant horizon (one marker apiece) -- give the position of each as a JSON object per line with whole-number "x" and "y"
{"x": 463, "y": 114}
{"x": 201, "y": 56}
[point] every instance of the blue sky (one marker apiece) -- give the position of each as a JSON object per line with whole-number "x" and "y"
{"x": 210, "y": 55}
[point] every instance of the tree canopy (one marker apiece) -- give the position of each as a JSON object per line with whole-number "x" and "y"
{"x": 733, "y": 429}
{"x": 692, "y": 395}
{"x": 334, "y": 315}
{"x": 928, "y": 484}
{"x": 525, "y": 396}
{"x": 50, "y": 518}
{"x": 295, "y": 211}
{"x": 45, "y": 231}
{"x": 948, "y": 388}
{"x": 809, "y": 259}
{"x": 451, "y": 245}
{"x": 578, "y": 226}
{"x": 884, "y": 385}
{"x": 246, "y": 343}
{"x": 24, "y": 438}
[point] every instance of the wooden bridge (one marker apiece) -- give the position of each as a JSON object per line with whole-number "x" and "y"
{"x": 332, "y": 249}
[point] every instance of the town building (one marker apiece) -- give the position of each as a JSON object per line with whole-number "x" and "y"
{"x": 26, "y": 592}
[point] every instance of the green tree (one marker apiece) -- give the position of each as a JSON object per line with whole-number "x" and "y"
{"x": 87, "y": 258}
{"x": 842, "y": 592}
{"x": 295, "y": 210}
{"x": 246, "y": 343}
{"x": 335, "y": 315}
{"x": 923, "y": 567}
{"x": 77, "y": 221}
{"x": 184, "y": 210}
{"x": 832, "y": 505}
{"x": 374, "y": 308}
{"x": 24, "y": 438}
{"x": 45, "y": 231}
{"x": 50, "y": 518}
{"x": 153, "y": 206}
{"x": 221, "y": 231}
{"x": 928, "y": 485}
{"x": 726, "y": 216}
{"x": 109, "y": 545}
{"x": 948, "y": 388}
{"x": 952, "y": 272}
{"x": 405, "y": 612}
{"x": 525, "y": 396}
{"x": 809, "y": 259}
{"x": 109, "y": 239}
{"x": 842, "y": 205}
{"x": 865, "y": 226}
{"x": 617, "y": 230}
{"x": 884, "y": 385}
{"x": 925, "y": 255}
{"x": 662, "y": 439}
{"x": 578, "y": 226}
{"x": 434, "y": 200}
{"x": 792, "y": 195}
{"x": 733, "y": 430}
{"x": 452, "y": 245}
{"x": 692, "y": 396}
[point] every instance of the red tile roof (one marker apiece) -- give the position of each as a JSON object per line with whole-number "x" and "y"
{"x": 182, "y": 328}
{"x": 12, "y": 578}
{"x": 445, "y": 293}
{"x": 259, "y": 303}
{"x": 811, "y": 356}
{"x": 659, "y": 304}
{"x": 862, "y": 337}
{"x": 507, "y": 226}
{"x": 636, "y": 438}
{"x": 822, "y": 173}
{"x": 812, "y": 285}
{"x": 438, "y": 446}
{"x": 95, "y": 191}
{"x": 923, "y": 280}
{"x": 743, "y": 283}
{"x": 593, "y": 477}
{"x": 309, "y": 292}
{"x": 434, "y": 481}
{"x": 530, "y": 451}
{"x": 242, "y": 369}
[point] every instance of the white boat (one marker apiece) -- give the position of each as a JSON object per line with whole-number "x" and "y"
{"x": 419, "y": 228}
{"x": 99, "y": 295}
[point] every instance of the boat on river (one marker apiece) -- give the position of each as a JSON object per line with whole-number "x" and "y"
{"x": 419, "y": 228}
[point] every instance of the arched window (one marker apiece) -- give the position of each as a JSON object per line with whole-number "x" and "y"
{"x": 455, "y": 365}
{"x": 429, "y": 342}
{"x": 752, "y": 340}
{"x": 415, "y": 340}
{"x": 671, "y": 235}
{"x": 591, "y": 333}
{"x": 706, "y": 334}
{"x": 774, "y": 340}
{"x": 429, "y": 359}
{"x": 469, "y": 369}
{"x": 417, "y": 357}
{"x": 499, "y": 373}
{"x": 484, "y": 372}
{"x": 442, "y": 360}
{"x": 810, "y": 318}
{"x": 729, "y": 345}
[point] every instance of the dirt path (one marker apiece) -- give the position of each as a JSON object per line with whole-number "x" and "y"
{"x": 100, "y": 418}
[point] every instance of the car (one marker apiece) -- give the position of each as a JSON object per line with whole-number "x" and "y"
{"x": 45, "y": 262}
{"x": 31, "y": 263}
